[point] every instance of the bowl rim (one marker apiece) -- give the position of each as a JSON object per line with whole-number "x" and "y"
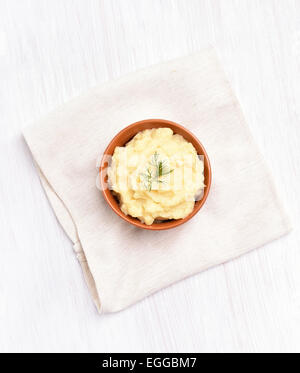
{"x": 135, "y": 221}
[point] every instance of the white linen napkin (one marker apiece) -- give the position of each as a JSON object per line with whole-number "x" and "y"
{"x": 123, "y": 264}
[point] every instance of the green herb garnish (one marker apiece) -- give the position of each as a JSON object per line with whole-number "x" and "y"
{"x": 161, "y": 169}
{"x": 147, "y": 179}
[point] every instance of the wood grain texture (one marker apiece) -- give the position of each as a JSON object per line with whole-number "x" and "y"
{"x": 51, "y": 51}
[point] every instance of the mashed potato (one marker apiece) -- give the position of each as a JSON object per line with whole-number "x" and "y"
{"x": 156, "y": 176}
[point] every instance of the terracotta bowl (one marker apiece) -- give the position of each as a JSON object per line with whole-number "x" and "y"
{"x": 127, "y": 134}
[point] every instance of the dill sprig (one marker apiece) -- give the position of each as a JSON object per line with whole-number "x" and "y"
{"x": 147, "y": 179}
{"x": 161, "y": 169}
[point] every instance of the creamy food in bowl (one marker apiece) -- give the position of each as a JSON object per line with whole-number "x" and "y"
{"x": 156, "y": 176}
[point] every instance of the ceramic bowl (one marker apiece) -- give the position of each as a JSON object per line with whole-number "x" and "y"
{"x": 126, "y": 135}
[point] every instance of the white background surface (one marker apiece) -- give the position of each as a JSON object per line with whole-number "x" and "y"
{"x": 53, "y": 50}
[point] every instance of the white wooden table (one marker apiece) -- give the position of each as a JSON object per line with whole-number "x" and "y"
{"x": 53, "y": 50}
